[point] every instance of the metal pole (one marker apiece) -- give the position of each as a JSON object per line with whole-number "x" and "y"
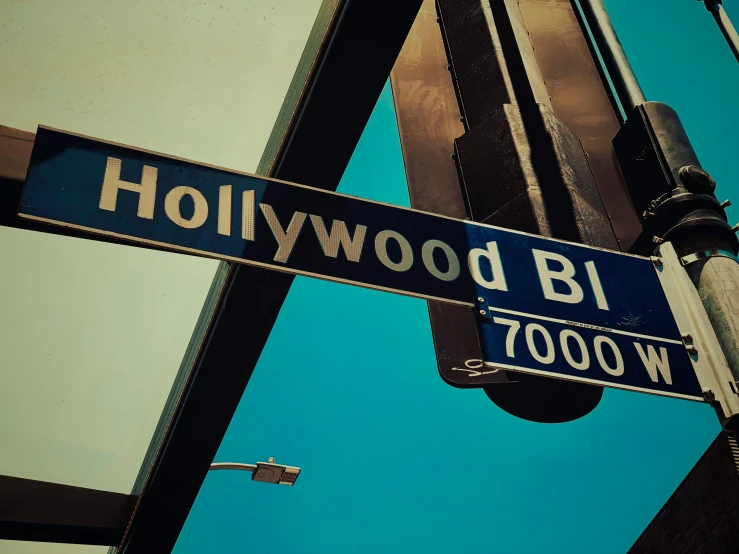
{"x": 251, "y": 468}
{"x": 724, "y": 23}
{"x": 619, "y": 69}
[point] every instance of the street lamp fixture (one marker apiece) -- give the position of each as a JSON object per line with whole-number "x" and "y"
{"x": 266, "y": 472}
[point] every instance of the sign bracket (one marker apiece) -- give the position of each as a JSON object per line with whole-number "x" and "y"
{"x": 707, "y": 357}
{"x": 482, "y": 308}
{"x": 707, "y": 253}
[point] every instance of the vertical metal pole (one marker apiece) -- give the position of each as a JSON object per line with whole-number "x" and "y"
{"x": 724, "y": 23}
{"x": 619, "y": 69}
{"x": 680, "y": 210}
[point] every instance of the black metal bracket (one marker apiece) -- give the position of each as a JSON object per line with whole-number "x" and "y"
{"x": 49, "y": 512}
{"x": 482, "y": 310}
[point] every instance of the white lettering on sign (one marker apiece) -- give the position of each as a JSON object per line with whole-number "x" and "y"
{"x": 285, "y": 239}
{"x": 546, "y": 358}
{"x": 339, "y": 236}
{"x": 566, "y": 275}
{"x": 555, "y": 271}
{"x": 406, "y": 252}
{"x": 576, "y": 352}
{"x": 427, "y": 255}
{"x": 497, "y": 282}
{"x": 600, "y": 296}
{"x": 584, "y": 362}
{"x": 248, "y": 214}
{"x": 224, "y": 210}
{"x": 513, "y": 327}
{"x": 616, "y": 371}
{"x": 112, "y": 183}
{"x": 172, "y": 207}
{"x": 653, "y": 363}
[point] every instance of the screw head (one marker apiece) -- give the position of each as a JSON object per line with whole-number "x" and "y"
{"x": 687, "y": 337}
{"x": 483, "y": 312}
{"x": 692, "y": 350}
{"x": 480, "y": 299}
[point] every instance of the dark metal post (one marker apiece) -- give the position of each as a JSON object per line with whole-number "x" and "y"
{"x": 724, "y": 23}
{"x": 619, "y": 69}
{"x": 39, "y": 511}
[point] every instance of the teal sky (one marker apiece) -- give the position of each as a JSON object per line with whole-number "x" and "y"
{"x": 393, "y": 459}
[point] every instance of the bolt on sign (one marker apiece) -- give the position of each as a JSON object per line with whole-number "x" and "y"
{"x": 545, "y": 306}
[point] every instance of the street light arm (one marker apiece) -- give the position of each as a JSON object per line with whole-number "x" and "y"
{"x": 233, "y": 465}
{"x": 266, "y": 472}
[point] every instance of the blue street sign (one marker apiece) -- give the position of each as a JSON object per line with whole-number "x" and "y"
{"x": 547, "y": 307}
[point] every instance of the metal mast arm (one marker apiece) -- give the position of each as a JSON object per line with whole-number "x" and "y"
{"x": 724, "y": 23}
{"x": 231, "y": 465}
{"x": 619, "y": 69}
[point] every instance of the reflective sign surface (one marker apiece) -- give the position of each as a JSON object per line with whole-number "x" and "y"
{"x": 550, "y": 306}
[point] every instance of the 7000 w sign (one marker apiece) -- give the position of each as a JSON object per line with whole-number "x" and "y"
{"x": 572, "y": 350}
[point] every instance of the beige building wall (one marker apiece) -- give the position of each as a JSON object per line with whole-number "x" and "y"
{"x": 92, "y": 334}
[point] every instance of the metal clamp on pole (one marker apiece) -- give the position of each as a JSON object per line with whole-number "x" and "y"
{"x": 703, "y": 346}
{"x": 707, "y": 253}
